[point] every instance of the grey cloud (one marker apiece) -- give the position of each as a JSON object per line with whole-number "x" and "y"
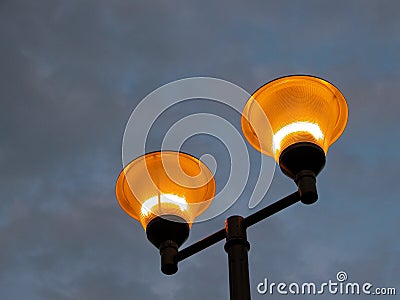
{"x": 71, "y": 73}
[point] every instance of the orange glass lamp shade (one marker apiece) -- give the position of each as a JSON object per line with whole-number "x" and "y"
{"x": 295, "y": 119}
{"x": 167, "y": 184}
{"x": 299, "y": 109}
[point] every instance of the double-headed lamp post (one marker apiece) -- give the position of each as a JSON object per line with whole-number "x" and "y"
{"x": 293, "y": 119}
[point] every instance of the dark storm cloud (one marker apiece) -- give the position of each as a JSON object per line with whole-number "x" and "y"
{"x": 72, "y": 71}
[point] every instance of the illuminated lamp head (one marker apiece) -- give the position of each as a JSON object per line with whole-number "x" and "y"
{"x": 305, "y": 116}
{"x": 165, "y": 191}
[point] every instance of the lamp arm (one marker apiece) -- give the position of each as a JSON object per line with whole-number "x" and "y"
{"x": 201, "y": 245}
{"x": 272, "y": 209}
{"x": 248, "y": 221}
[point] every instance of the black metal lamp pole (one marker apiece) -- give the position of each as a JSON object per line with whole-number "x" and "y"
{"x": 237, "y": 247}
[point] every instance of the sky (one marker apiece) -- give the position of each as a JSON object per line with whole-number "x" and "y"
{"x": 72, "y": 72}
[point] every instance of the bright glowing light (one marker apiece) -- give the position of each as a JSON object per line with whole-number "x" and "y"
{"x": 149, "y": 204}
{"x": 308, "y": 127}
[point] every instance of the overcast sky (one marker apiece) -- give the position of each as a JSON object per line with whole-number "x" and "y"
{"x": 71, "y": 73}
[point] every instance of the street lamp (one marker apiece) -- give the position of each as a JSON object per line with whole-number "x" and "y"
{"x": 166, "y": 191}
{"x": 306, "y": 116}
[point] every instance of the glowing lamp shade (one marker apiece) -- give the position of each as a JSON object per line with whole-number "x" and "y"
{"x": 165, "y": 184}
{"x": 296, "y": 109}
